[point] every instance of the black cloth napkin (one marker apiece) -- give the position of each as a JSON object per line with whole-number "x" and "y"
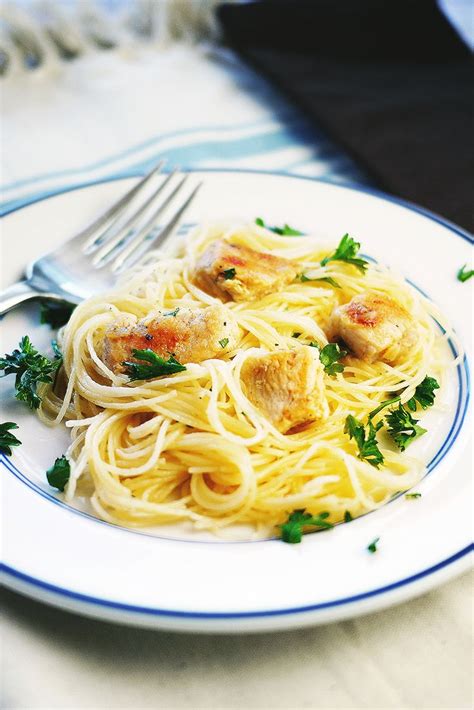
{"x": 390, "y": 81}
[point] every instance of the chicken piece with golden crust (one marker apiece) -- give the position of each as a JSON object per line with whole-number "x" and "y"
{"x": 375, "y": 327}
{"x": 234, "y": 272}
{"x": 287, "y": 387}
{"x": 190, "y": 335}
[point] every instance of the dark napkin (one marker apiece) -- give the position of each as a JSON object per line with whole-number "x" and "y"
{"x": 390, "y": 81}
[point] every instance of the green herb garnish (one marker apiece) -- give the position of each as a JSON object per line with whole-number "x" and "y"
{"x": 373, "y": 545}
{"x": 403, "y": 428}
{"x": 346, "y": 251}
{"x": 172, "y": 313}
{"x": 328, "y": 279}
{"x": 464, "y": 275}
{"x": 228, "y": 274}
{"x": 285, "y": 231}
{"x": 151, "y": 365}
{"x": 56, "y": 350}
{"x": 424, "y": 394}
{"x": 58, "y": 474}
{"x": 329, "y": 356}
{"x": 296, "y": 334}
{"x": 7, "y": 440}
{"x": 223, "y": 342}
{"x": 347, "y": 517}
{"x": 292, "y": 530}
{"x": 366, "y": 439}
{"x": 55, "y": 314}
{"x": 381, "y": 406}
{"x": 412, "y": 495}
{"x": 29, "y": 368}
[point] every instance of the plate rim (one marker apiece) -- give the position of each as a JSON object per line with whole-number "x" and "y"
{"x": 33, "y": 198}
{"x": 16, "y": 579}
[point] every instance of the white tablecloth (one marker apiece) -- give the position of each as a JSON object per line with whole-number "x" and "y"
{"x": 417, "y": 655}
{"x": 113, "y": 114}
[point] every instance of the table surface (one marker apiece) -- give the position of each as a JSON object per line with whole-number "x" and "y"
{"x": 417, "y": 655}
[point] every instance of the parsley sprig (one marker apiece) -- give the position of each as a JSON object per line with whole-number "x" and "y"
{"x": 55, "y": 314}
{"x": 464, "y": 275}
{"x": 285, "y": 231}
{"x": 228, "y": 274}
{"x": 346, "y": 251}
{"x": 330, "y": 356}
{"x": 403, "y": 428}
{"x": 382, "y": 405}
{"x": 327, "y": 279}
{"x": 58, "y": 474}
{"x": 29, "y": 367}
{"x": 424, "y": 394}
{"x": 7, "y": 439}
{"x": 151, "y": 365}
{"x": 365, "y": 437}
{"x": 292, "y": 531}
{"x": 372, "y": 547}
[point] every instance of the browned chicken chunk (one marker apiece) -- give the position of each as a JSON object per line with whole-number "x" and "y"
{"x": 191, "y": 335}
{"x": 234, "y": 272}
{"x": 375, "y": 327}
{"x": 287, "y": 387}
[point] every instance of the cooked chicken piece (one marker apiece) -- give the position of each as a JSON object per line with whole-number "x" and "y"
{"x": 234, "y": 272}
{"x": 190, "y": 335}
{"x": 287, "y": 387}
{"x": 375, "y": 327}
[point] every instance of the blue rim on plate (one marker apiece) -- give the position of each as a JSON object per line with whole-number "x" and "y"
{"x": 451, "y": 437}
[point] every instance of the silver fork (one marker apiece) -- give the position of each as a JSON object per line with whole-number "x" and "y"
{"x": 91, "y": 261}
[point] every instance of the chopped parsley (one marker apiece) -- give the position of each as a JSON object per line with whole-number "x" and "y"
{"x": 346, "y": 251}
{"x": 373, "y": 545}
{"x": 58, "y": 474}
{"x": 172, "y": 313}
{"x": 292, "y": 530}
{"x": 285, "y": 231}
{"x": 151, "y": 365}
{"x": 328, "y": 279}
{"x": 56, "y": 350}
{"x": 464, "y": 275}
{"x": 366, "y": 439}
{"x": 296, "y": 335}
{"x": 424, "y": 394}
{"x": 7, "y": 439}
{"x": 55, "y": 313}
{"x": 329, "y": 357}
{"x": 228, "y": 274}
{"x": 224, "y": 342}
{"x": 402, "y": 427}
{"x": 381, "y": 406}
{"x": 348, "y": 517}
{"x": 29, "y": 367}
{"x": 412, "y": 495}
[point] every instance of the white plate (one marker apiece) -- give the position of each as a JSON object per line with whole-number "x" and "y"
{"x": 66, "y": 557}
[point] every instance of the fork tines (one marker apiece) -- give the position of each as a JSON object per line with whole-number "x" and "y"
{"x": 128, "y": 229}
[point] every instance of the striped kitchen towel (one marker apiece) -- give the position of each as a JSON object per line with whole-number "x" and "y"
{"x": 118, "y": 100}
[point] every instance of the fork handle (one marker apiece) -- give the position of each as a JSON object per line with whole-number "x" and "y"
{"x": 16, "y": 294}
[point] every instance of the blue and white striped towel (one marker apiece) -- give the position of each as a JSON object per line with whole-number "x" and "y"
{"x": 114, "y": 113}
